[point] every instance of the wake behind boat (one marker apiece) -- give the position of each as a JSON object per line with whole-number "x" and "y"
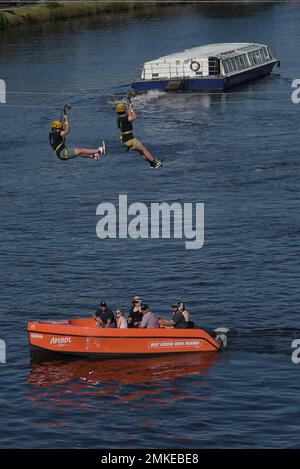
{"x": 84, "y": 338}
{"x": 207, "y": 68}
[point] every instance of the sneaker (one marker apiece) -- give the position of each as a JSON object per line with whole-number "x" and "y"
{"x": 156, "y": 164}
{"x": 102, "y": 150}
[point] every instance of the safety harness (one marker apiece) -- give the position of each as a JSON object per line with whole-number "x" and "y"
{"x": 57, "y": 148}
{"x": 125, "y": 128}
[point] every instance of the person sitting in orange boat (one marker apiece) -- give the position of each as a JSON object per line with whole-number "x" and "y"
{"x": 189, "y": 324}
{"x": 135, "y": 316}
{"x": 178, "y": 320}
{"x": 149, "y": 321}
{"x": 121, "y": 321}
{"x": 104, "y": 316}
{"x": 182, "y": 309}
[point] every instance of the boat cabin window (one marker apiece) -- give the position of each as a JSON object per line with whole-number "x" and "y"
{"x": 244, "y": 60}
{"x": 265, "y": 54}
{"x": 271, "y": 52}
{"x": 257, "y": 57}
{"x": 213, "y": 66}
{"x": 235, "y": 64}
{"x": 248, "y": 58}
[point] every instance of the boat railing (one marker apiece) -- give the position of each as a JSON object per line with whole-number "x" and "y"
{"x": 168, "y": 70}
{"x": 272, "y": 52}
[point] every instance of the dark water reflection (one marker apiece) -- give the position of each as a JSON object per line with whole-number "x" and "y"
{"x": 234, "y": 9}
{"x": 152, "y": 379}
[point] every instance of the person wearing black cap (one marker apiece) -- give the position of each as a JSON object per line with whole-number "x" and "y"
{"x": 178, "y": 320}
{"x": 104, "y": 316}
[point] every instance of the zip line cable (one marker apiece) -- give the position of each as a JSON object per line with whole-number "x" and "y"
{"x": 88, "y": 106}
{"x": 87, "y": 93}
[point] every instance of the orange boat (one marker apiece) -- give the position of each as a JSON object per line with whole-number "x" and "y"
{"x": 83, "y": 337}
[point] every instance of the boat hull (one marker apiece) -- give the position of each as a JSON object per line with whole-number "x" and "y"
{"x": 204, "y": 83}
{"x": 84, "y": 338}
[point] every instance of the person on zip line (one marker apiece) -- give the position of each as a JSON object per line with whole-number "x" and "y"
{"x": 59, "y": 130}
{"x": 126, "y": 116}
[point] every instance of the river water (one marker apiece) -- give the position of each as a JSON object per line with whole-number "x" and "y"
{"x": 237, "y": 152}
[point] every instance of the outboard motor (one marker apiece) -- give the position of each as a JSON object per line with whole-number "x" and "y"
{"x": 221, "y": 336}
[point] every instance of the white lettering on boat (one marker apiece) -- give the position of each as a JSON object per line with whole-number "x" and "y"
{"x": 34, "y": 335}
{"x": 183, "y": 343}
{"x": 60, "y": 340}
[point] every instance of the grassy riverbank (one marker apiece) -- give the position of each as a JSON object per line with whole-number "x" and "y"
{"x": 53, "y": 11}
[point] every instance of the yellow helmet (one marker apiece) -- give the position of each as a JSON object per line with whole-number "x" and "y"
{"x": 120, "y": 107}
{"x": 56, "y": 125}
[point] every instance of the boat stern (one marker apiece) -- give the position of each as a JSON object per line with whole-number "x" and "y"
{"x": 221, "y": 336}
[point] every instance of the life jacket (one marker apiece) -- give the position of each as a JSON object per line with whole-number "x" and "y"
{"x": 126, "y": 128}
{"x": 57, "y": 142}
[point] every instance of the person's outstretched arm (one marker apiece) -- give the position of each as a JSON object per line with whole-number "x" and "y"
{"x": 131, "y": 113}
{"x": 66, "y": 127}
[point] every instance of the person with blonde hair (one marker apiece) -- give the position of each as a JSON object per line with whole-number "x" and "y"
{"x": 121, "y": 321}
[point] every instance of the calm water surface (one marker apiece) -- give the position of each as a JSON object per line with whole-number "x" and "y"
{"x": 237, "y": 152}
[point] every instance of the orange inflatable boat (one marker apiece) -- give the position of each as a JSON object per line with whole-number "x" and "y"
{"x": 83, "y": 337}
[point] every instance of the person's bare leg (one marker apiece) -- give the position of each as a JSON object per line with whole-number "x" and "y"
{"x": 86, "y": 152}
{"x": 146, "y": 154}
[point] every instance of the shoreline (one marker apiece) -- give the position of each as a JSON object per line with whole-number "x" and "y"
{"x": 40, "y": 13}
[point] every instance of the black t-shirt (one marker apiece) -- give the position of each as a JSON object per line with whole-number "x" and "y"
{"x": 136, "y": 317}
{"x": 179, "y": 321}
{"x": 106, "y": 315}
{"x": 125, "y": 127}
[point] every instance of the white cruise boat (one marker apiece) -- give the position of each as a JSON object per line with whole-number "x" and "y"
{"x": 207, "y": 68}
